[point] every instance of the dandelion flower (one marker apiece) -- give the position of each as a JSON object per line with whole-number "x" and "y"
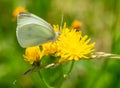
{"x": 49, "y": 48}
{"x": 17, "y": 10}
{"x": 33, "y": 54}
{"x": 73, "y": 46}
{"x": 76, "y": 25}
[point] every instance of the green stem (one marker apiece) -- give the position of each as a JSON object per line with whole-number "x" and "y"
{"x": 41, "y": 84}
{"x": 71, "y": 67}
{"x": 44, "y": 83}
{"x": 61, "y": 80}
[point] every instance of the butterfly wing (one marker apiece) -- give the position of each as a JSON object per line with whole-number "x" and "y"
{"x": 32, "y": 30}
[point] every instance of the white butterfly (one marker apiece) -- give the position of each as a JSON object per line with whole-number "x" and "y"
{"x": 32, "y": 30}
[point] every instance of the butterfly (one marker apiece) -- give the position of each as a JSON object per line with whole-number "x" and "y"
{"x": 32, "y": 30}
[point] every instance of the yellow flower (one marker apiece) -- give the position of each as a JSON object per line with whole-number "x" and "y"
{"x": 33, "y": 54}
{"x": 76, "y": 25}
{"x": 17, "y": 10}
{"x": 72, "y": 45}
{"x": 49, "y": 48}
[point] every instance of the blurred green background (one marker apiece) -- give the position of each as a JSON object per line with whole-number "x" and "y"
{"x": 101, "y": 21}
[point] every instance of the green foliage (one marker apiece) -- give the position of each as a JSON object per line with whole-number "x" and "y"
{"x": 100, "y": 20}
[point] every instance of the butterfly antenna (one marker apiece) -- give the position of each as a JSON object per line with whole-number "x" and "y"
{"x": 61, "y": 24}
{"x": 62, "y": 17}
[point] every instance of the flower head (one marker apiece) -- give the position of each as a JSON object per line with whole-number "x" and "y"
{"x": 76, "y": 25}
{"x": 49, "y": 48}
{"x": 17, "y": 10}
{"x": 33, "y": 54}
{"x": 73, "y": 46}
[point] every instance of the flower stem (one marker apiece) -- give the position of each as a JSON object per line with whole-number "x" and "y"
{"x": 44, "y": 83}
{"x": 71, "y": 67}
